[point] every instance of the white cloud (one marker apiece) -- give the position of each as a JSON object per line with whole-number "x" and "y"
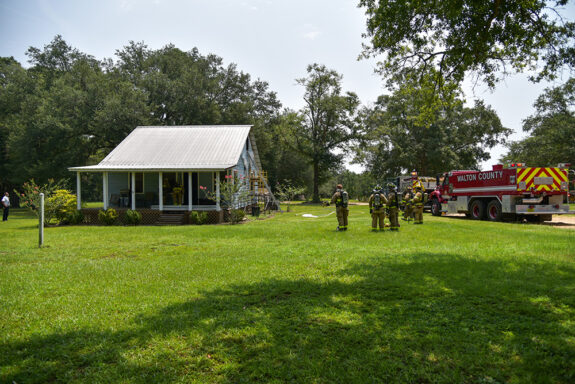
{"x": 250, "y": 6}
{"x": 310, "y": 32}
{"x": 311, "y": 35}
{"x": 127, "y": 5}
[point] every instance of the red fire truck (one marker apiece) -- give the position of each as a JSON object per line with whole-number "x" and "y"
{"x": 515, "y": 192}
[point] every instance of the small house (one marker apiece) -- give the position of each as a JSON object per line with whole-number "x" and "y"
{"x": 159, "y": 169}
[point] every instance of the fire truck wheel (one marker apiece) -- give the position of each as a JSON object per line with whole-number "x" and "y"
{"x": 494, "y": 211}
{"x": 435, "y": 208}
{"x": 477, "y": 210}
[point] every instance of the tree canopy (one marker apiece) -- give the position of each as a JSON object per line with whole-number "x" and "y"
{"x": 551, "y": 130}
{"x": 70, "y": 109}
{"x": 419, "y": 128}
{"x": 489, "y": 38}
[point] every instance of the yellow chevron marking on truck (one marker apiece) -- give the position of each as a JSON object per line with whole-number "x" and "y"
{"x": 529, "y": 180}
{"x": 531, "y": 175}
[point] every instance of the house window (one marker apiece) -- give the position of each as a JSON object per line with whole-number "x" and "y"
{"x": 139, "y": 186}
{"x": 247, "y": 144}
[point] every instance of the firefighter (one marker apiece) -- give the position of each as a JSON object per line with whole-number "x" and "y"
{"x": 418, "y": 201}
{"x": 393, "y": 205}
{"x": 377, "y": 203}
{"x": 340, "y": 198}
{"x": 407, "y": 202}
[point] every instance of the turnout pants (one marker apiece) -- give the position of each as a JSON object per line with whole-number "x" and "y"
{"x": 393, "y": 219}
{"x": 408, "y": 213}
{"x": 418, "y": 212}
{"x": 377, "y": 217}
{"x": 342, "y": 213}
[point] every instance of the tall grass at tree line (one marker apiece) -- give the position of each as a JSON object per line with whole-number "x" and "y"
{"x": 288, "y": 299}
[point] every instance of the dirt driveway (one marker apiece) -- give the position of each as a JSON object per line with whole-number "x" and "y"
{"x": 562, "y": 221}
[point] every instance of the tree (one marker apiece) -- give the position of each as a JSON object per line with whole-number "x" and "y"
{"x": 190, "y": 88}
{"x": 358, "y": 185}
{"x": 326, "y": 123}
{"x": 419, "y": 128}
{"x": 551, "y": 129}
{"x": 15, "y": 85}
{"x": 83, "y": 113}
{"x": 55, "y": 59}
{"x": 460, "y": 36}
{"x": 287, "y": 192}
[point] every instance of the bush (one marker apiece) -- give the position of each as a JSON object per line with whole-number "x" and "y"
{"x": 108, "y": 217}
{"x": 133, "y": 217}
{"x": 198, "y": 218}
{"x": 59, "y": 206}
{"x": 75, "y": 217}
{"x": 237, "y": 215}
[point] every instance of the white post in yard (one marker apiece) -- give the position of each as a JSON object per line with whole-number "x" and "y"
{"x": 78, "y": 192}
{"x": 218, "y": 191}
{"x": 41, "y": 223}
{"x": 133, "y": 191}
{"x": 160, "y": 192}
{"x": 105, "y": 184}
{"x": 190, "y": 194}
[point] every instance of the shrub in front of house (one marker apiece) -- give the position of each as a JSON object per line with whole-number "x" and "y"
{"x": 198, "y": 218}
{"x": 59, "y": 206}
{"x": 237, "y": 215}
{"x": 75, "y": 217}
{"x": 108, "y": 217}
{"x": 132, "y": 217}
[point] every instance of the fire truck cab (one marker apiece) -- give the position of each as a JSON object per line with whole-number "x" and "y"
{"x": 514, "y": 192}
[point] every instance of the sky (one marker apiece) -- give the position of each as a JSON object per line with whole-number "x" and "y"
{"x": 272, "y": 40}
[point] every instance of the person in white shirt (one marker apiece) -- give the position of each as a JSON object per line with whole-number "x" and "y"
{"x": 6, "y": 206}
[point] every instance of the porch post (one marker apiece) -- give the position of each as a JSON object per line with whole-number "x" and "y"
{"x": 218, "y": 191}
{"x": 190, "y": 193}
{"x": 160, "y": 191}
{"x": 133, "y": 191}
{"x": 78, "y": 192}
{"x": 105, "y": 184}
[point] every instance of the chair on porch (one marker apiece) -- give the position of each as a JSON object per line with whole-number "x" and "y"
{"x": 125, "y": 197}
{"x": 115, "y": 200}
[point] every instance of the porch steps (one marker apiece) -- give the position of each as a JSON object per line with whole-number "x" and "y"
{"x": 171, "y": 218}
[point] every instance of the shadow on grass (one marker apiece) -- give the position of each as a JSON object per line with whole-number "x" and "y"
{"x": 437, "y": 319}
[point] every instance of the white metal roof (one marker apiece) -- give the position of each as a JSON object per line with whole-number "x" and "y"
{"x": 160, "y": 148}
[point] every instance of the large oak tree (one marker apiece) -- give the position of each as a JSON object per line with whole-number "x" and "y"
{"x": 327, "y": 123}
{"x": 457, "y": 37}
{"x": 419, "y": 128}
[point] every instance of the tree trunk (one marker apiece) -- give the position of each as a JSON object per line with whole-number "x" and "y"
{"x": 315, "y": 197}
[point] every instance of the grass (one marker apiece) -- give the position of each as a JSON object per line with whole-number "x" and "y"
{"x": 288, "y": 299}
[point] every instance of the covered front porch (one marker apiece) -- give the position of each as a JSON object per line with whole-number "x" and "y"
{"x": 162, "y": 190}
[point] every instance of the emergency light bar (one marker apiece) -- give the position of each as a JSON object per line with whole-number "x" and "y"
{"x": 564, "y": 165}
{"x": 517, "y": 165}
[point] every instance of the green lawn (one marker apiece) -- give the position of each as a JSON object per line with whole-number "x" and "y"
{"x": 288, "y": 300}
